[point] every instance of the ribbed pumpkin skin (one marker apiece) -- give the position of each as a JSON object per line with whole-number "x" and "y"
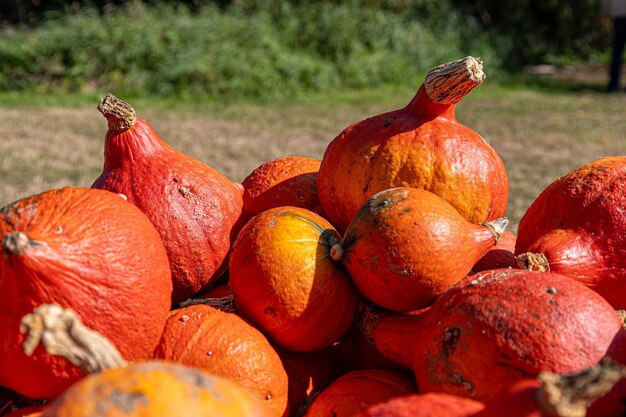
{"x": 499, "y": 256}
{"x": 196, "y": 209}
{"x": 287, "y": 181}
{"x": 223, "y": 344}
{"x": 431, "y": 404}
{"x": 285, "y": 282}
{"x": 579, "y": 223}
{"x": 405, "y": 246}
{"x": 98, "y": 255}
{"x": 505, "y": 325}
{"x": 355, "y": 391}
{"x": 421, "y": 146}
{"x": 153, "y": 389}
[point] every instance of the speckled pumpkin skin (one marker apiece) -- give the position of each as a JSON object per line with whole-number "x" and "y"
{"x": 153, "y": 389}
{"x": 196, "y": 209}
{"x": 431, "y": 404}
{"x": 223, "y": 344}
{"x": 355, "y": 391}
{"x": 284, "y": 281}
{"x": 579, "y": 223}
{"x": 94, "y": 253}
{"x": 287, "y": 181}
{"x": 406, "y": 246}
{"x": 421, "y": 145}
{"x": 505, "y": 325}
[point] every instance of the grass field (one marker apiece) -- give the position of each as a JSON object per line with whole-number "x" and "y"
{"x": 55, "y": 141}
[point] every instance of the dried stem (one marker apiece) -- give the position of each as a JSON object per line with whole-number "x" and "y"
{"x": 532, "y": 262}
{"x": 119, "y": 114}
{"x": 449, "y": 83}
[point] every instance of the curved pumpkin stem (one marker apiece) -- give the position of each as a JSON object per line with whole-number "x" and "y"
{"x": 449, "y": 83}
{"x": 63, "y": 334}
{"x": 497, "y": 227}
{"x": 532, "y": 262}
{"x": 119, "y": 114}
{"x": 570, "y": 395}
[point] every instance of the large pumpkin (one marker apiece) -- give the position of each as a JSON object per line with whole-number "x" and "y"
{"x": 421, "y": 145}
{"x": 196, "y": 209}
{"x": 89, "y": 250}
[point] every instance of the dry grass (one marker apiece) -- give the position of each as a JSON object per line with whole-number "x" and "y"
{"x": 540, "y": 136}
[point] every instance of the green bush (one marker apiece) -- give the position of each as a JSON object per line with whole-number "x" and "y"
{"x": 279, "y": 49}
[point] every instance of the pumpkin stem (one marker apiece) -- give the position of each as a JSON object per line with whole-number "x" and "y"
{"x": 570, "y": 395}
{"x": 225, "y": 304}
{"x": 532, "y": 262}
{"x": 449, "y": 83}
{"x": 62, "y": 334}
{"x": 15, "y": 243}
{"x": 336, "y": 252}
{"x": 119, "y": 114}
{"x": 497, "y": 227}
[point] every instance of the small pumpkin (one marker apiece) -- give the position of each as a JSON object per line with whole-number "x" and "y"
{"x": 355, "y": 391}
{"x": 406, "y": 246}
{"x": 89, "y": 250}
{"x": 286, "y": 181}
{"x": 430, "y": 404}
{"x": 196, "y": 209}
{"x": 421, "y": 145}
{"x": 223, "y": 344}
{"x": 500, "y": 256}
{"x": 285, "y": 282}
{"x": 577, "y": 227}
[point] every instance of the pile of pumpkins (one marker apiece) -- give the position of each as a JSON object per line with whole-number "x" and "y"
{"x": 379, "y": 281}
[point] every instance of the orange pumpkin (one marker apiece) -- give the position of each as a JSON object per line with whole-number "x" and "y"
{"x": 152, "y": 389}
{"x": 287, "y": 181}
{"x": 223, "y": 344}
{"x": 89, "y": 250}
{"x": 285, "y": 282}
{"x": 421, "y": 145}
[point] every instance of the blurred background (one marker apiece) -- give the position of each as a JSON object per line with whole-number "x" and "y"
{"x": 236, "y": 83}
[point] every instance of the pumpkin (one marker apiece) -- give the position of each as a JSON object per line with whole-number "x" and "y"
{"x": 155, "y": 388}
{"x": 196, "y": 209}
{"x": 421, "y": 145}
{"x": 430, "y": 404}
{"x": 89, "y": 250}
{"x": 285, "y": 282}
{"x": 355, "y": 391}
{"x": 499, "y": 256}
{"x": 223, "y": 344}
{"x": 286, "y": 181}
{"x": 500, "y": 325}
{"x": 406, "y": 246}
{"x": 577, "y": 227}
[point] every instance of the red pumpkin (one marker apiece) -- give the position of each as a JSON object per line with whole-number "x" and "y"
{"x": 89, "y": 250}
{"x": 406, "y": 246}
{"x": 285, "y": 282}
{"x": 613, "y": 404}
{"x": 355, "y": 391}
{"x": 196, "y": 209}
{"x": 287, "y": 181}
{"x": 431, "y": 404}
{"x": 421, "y": 145}
{"x": 577, "y": 227}
{"x": 501, "y": 325}
{"x": 499, "y": 256}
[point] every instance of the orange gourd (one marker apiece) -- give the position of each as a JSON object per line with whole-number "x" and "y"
{"x": 355, "y": 391}
{"x": 155, "y": 388}
{"x": 223, "y": 344}
{"x": 287, "y": 181}
{"x": 430, "y": 404}
{"x": 406, "y": 246}
{"x": 89, "y": 250}
{"x": 196, "y": 209}
{"x": 421, "y": 145}
{"x": 285, "y": 282}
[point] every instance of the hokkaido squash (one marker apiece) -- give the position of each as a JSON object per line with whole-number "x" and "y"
{"x": 196, "y": 209}
{"x": 421, "y": 145}
{"x": 502, "y": 255}
{"x": 286, "y": 181}
{"x": 500, "y": 325}
{"x": 430, "y": 404}
{"x": 285, "y": 282}
{"x": 223, "y": 344}
{"x": 577, "y": 227}
{"x": 89, "y": 250}
{"x": 406, "y": 246}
